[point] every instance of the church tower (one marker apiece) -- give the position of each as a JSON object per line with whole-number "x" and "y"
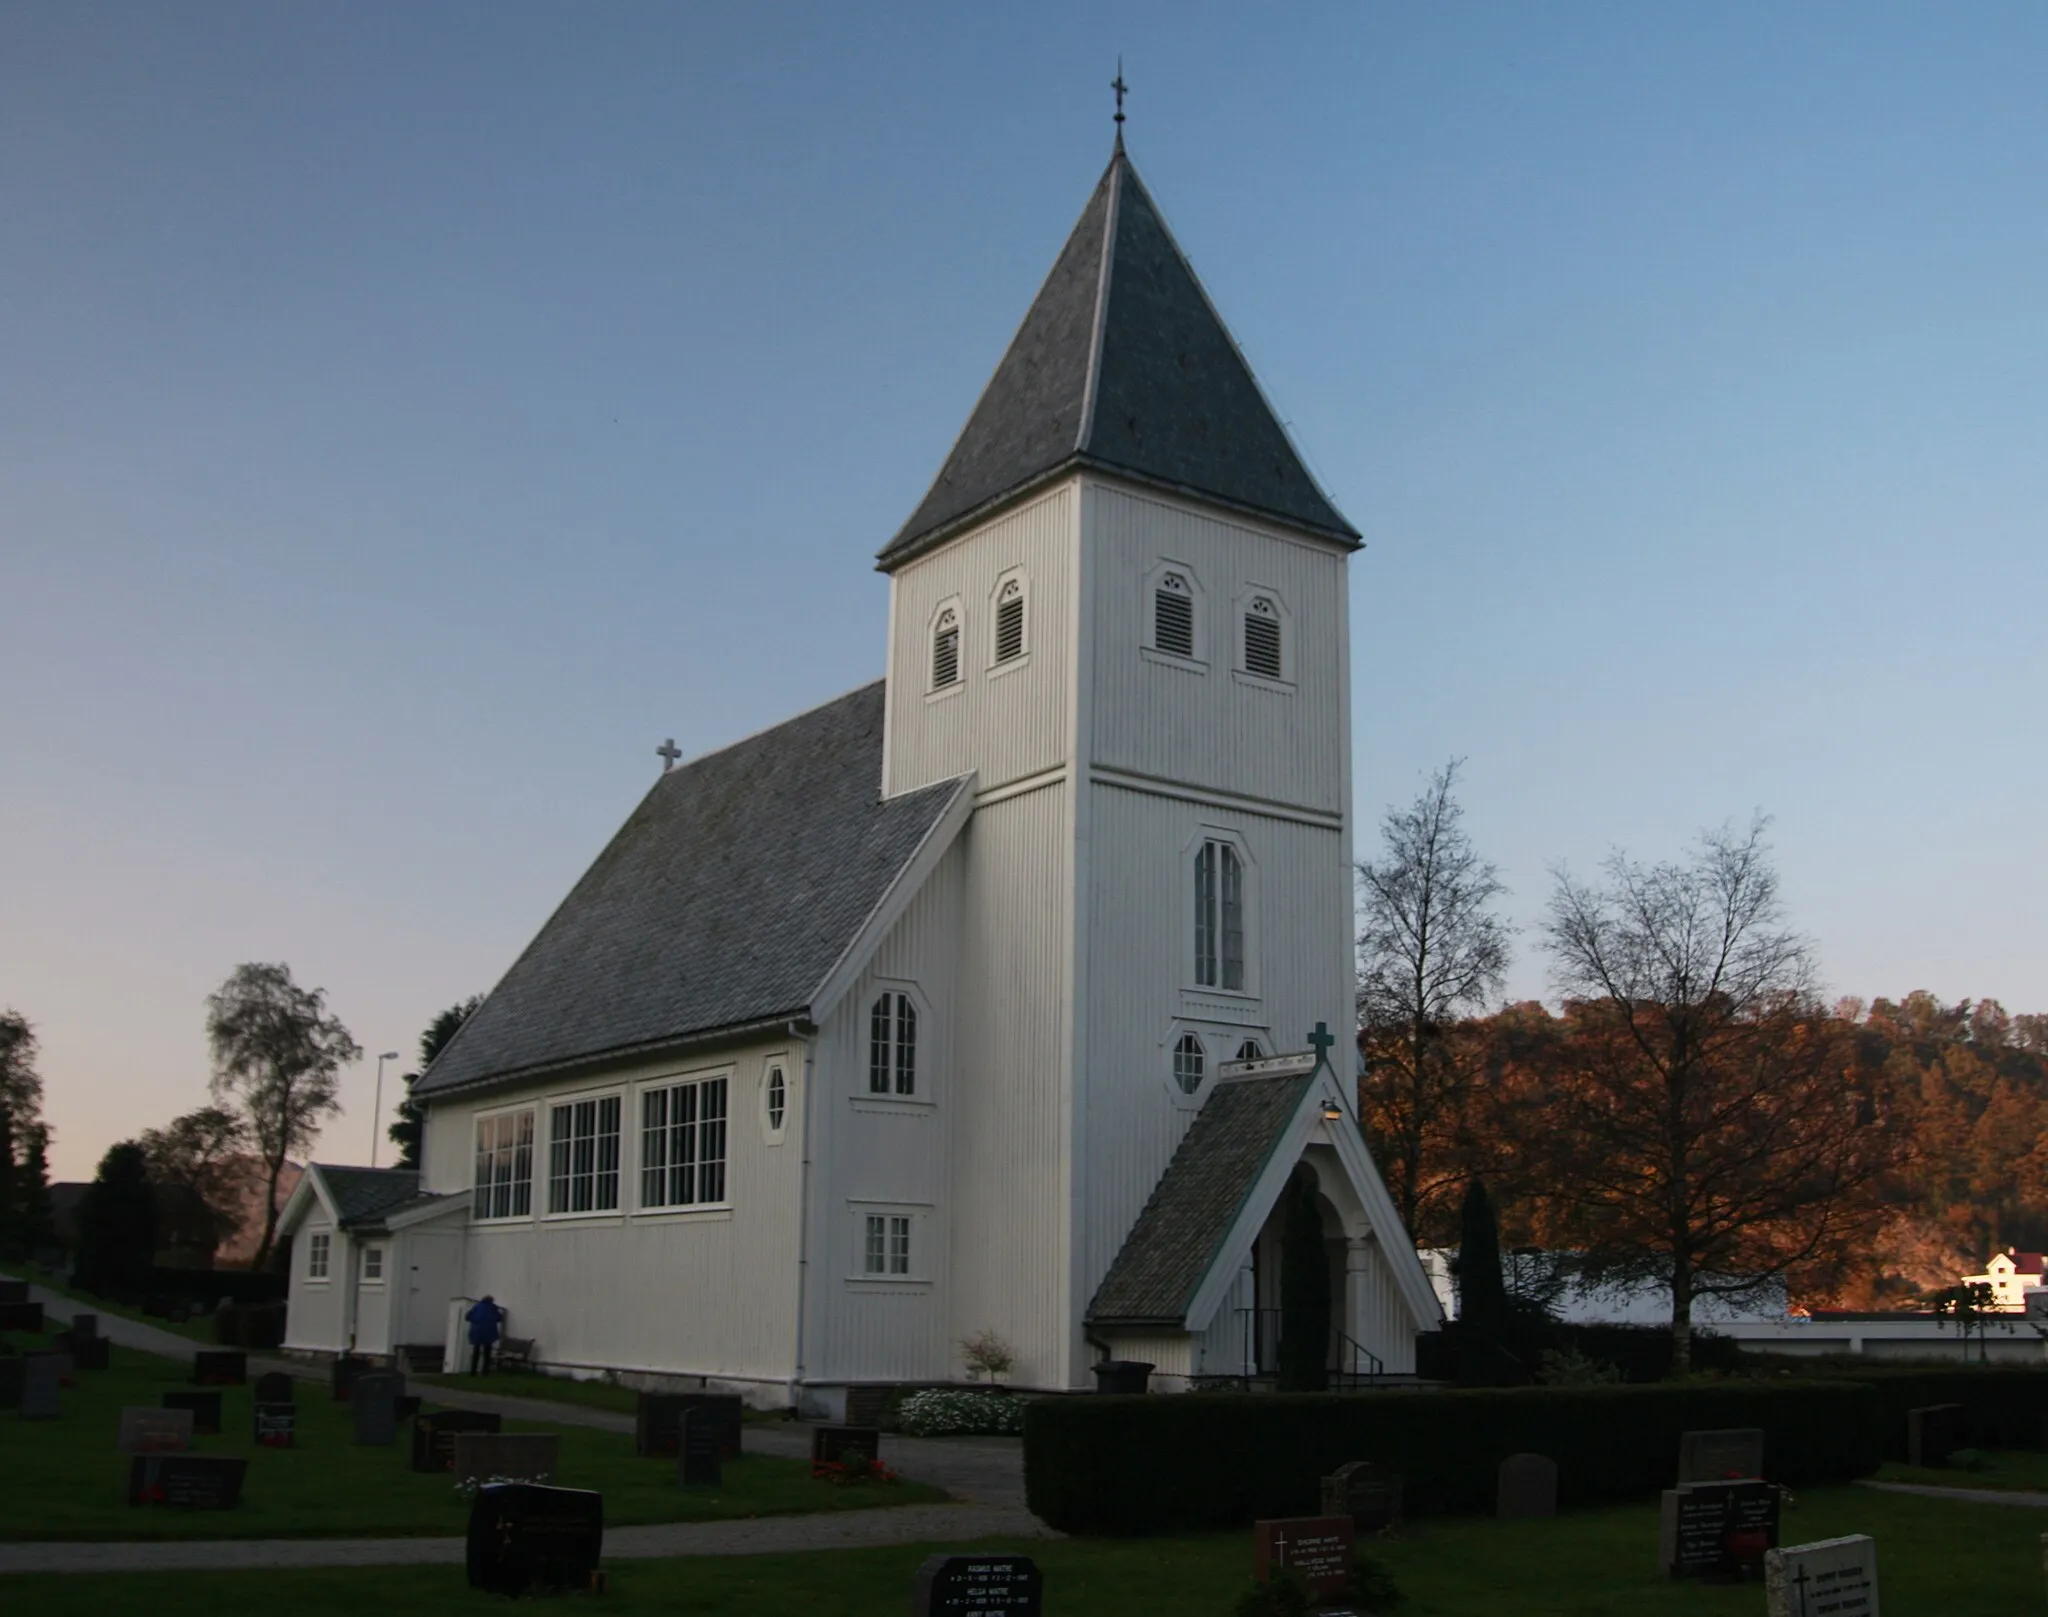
{"x": 1122, "y": 607}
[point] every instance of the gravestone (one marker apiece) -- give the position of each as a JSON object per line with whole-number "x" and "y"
{"x": 342, "y": 1374}
{"x": 1527, "y": 1487}
{"x": 697, "y": 1450}
{"x": 523, "y": 1537}
{"x": 1725, "y": 1456}
{"x": 657, "y": 1424}
{"x": 276, "y": 1426}
{"x": 968, "y": 1585}
{"x": 84, "y": 1325}
{"x": 204, "y": 1407}
{"x": 408, "y": 1405}
{"x": 724, "y": 1411}
{"x": 42, "y": 1376}
{"x": 433, "y": 1436}
{"x": 63, "y": 1362}
{"x": 22, "y": 1316}
{"x": 13, "y": 1372}
{"x": 1718, "y": 1530}
{"x": 1832, "y": 1577}
{"x": 274, "y": 1387}
{"x": 1366, "y": 1491}
{"x": 375, "y": 1401}
{"x": 832, "y": 1444}
{"x": 1318, "y": 1547}
{"x": 13, "y": 1292}
{"x": 186, "y": 1481}
{"x": 154, "y": 1431}
{"x": 1936, "y": 1432}
{"x": 90, "y": 1352}
{"x": 514, "y": 1456}
{"x": 220, "y": 1369}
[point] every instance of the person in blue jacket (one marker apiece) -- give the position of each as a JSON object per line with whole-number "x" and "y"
{"x": 484, "y": 1320}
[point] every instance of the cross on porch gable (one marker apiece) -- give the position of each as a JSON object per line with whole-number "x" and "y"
{"x": 1322, "y": 1038}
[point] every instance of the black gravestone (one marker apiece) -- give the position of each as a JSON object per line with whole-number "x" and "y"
{"x": 22, "y": 1316}
{"x": 12, "y": 1292}
{"x": 374, "y": 1399}
{"x": 1934, "y": 1433}
{"x": 523, "y": 1536}
{"x": 1527, "y": 1487}
{"x": 433, "y": 1436}
{"x": 13, "y": 1372}
{"x": 1718, "y": 1529}
{"x": 87, "y": 1352}
{"x": 42, "y": 1376}
{"x": 970, "y": 1585}
{"x": 186, "y": 1481}
{"x": 697, "y": 1464}
{"x": 657, "y": 1427}
{"x": 342, "y": 1374}
{"x": 408, "y": 1405}
{"x": 276, "y": 1426}
{"x": 1366, "y": 1491}
{"x": 1722, "y": 1456}
{"x": 84, "y": 1325}
{"x": 274, "y": 1387}
{"x": 830, "y": 1445}
{"x": 205, "y": 1408}
{"x": 723, "y": 1410}
{"x": 220, "y": 1369}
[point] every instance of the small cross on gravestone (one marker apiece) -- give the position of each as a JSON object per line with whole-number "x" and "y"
{"x": 1318, "y": 1547}
{"x": 970, "y": 1585}
{"x": 1832, "y": 1576}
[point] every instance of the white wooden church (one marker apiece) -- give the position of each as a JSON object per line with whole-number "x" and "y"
{"x": 964, "y": 1002}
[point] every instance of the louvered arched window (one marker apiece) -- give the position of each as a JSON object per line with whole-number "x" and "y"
{"x": 1189, "y": 1063}
{"x": 1009, "y": 621}
{"x": 1173, "y": 614}
{"x": 946, "y": 649}
{"x": 1262, "y": 639}
{"x": 892, "y": 1045}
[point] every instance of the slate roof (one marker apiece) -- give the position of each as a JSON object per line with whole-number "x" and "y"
{"x": 1170, "y": 1249}
{"x": 370, "y": 1195}
{"x": 723, "y": 901}
{"x": 1122, "y": 363}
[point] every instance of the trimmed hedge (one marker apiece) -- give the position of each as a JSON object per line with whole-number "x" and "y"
{"x": 2005, "y": 1408}
{"x": 1165, "y": 1464}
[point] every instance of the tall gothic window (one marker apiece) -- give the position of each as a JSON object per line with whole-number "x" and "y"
{"x": 1219, "y": 917}
{"x": 892, "y": 1046}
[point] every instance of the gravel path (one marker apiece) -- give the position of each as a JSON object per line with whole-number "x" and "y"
{"x": 985, "y": 1476}
{"x": 1975, "y": 1496}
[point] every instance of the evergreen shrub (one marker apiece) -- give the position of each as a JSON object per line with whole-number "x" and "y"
{"x": 1163, "y": 1464}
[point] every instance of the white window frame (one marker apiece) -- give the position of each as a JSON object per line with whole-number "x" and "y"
{"x": 1175, "y": 1076}
{"x": 513, "y": 1185}
{"x": 923, "y": 1048}
{"x": 773, "y": 1132}
{"x": 319, "y": 1257}
{"x": 1191, "y": 919}
{"x": 373, "y": 1264}
{"x": 1198, "y": 660}
{"x": 934, "y": 626}
{"x": 595, "y": 1099}
{"x": 669, "y": 1085}
{"x": 1283, "y": 618}
{"x": 1012, "y": 578}
{"x": 908, "y": 1222}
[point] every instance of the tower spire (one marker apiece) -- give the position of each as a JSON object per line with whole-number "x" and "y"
{"x": 1117, "y": 84}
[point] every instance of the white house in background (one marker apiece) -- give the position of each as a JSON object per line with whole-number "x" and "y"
{"x": 374, "y": 1261}
{"x": 961, "y": 1002}
{"x": 2011, "y": 1274}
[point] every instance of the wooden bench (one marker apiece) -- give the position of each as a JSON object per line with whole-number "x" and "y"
{"x": 515, "y": 1353}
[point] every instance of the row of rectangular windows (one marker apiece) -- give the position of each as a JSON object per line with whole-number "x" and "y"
{"x": 682, "y": 1152}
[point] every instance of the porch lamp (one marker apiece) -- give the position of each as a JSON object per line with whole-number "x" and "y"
{"x": 377, "y": 1109}
{"x": 1332, "y": 1112}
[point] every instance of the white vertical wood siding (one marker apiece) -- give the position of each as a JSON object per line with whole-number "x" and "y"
{"x": 699, "y": 1293}
{"x": 313, "y": 1313}
{"x": 1213, "y": 729}
{"x": 1010, "y": 723}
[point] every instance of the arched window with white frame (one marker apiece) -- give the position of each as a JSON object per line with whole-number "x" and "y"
{"x": 1264, "y": 638}
{"x": 892, "y": 1045}
{"x": 1010, "y": 613}
{"x": 945, "y": 664}
{"x": 1173, "y": 613}
{"x": 1219, "y": 915}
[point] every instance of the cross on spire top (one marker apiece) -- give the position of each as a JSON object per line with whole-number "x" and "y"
{"x": 1117, "y": 84}
{"x": 668, "y": 752}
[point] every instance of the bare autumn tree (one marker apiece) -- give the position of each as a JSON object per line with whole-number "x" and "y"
{"x": 1700, "y": 1131}
{"x": 278, "y": 1055}
{"x": 1429, "y": 950}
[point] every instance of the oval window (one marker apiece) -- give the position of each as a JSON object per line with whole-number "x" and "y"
{"x": 778, "y": 1097}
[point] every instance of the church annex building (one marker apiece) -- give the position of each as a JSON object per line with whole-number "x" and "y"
{"x": 965, "y": 1001}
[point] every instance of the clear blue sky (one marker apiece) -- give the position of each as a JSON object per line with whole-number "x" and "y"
{"x": 410, "y": 414}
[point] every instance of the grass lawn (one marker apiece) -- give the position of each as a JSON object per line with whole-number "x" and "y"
{"x": 199, "y": 1330}
{"x": 65, "y": 1479}
{"x": 1935, "y": 1558}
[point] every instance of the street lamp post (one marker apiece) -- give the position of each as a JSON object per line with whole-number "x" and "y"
{"x": 377, "y": 1111}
